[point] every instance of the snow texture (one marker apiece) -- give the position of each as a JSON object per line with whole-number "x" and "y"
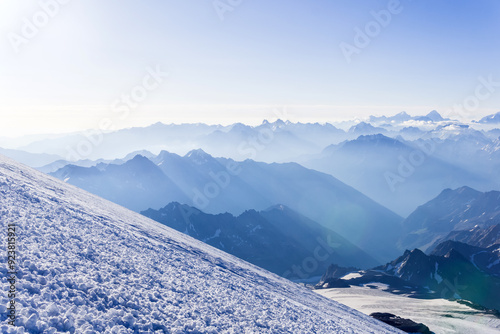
{"x": 440, "y": 315}
{"x": 86, "y": 265}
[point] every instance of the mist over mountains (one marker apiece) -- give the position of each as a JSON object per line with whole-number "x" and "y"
{"x": 400, "y": 161}
{"x": 277, "y": 239}
{"x": 459, "y": 231}
{"x": 398, "y": 174}
{"x": 462, "y": 209}
{"x": 374, "y": 172}
{"x": 218, "y": 185}
{"x": 410, "y": 202}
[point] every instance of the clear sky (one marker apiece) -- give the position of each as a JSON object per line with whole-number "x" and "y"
{"x": 73, "y": 69}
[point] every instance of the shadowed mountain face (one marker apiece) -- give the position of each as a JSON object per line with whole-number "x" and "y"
{"x": 223, "y": 185}
{"x": 476, "y": 236}
{"x": 452, "y": 211}
{"x": 451, "y": 275}
{"x": 399, "y": 175}
{"x": 491, "y": 119}
{"x": 485, "y": 259}
{"x": 136, "y": 184}
{"x": 365, "y": 129}
{"x": 277, "y": 239}
{"x": 454, "y": 271}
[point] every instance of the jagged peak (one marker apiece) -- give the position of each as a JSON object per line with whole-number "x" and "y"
{"x": 138, "y": 158}
{"x": 464, "y": 190}
{"x": 197, "y": 153}
{"x": 279, "y": 207}
{"x": 435, "y": 116}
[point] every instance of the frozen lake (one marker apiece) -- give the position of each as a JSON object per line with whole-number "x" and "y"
{"x": 440, "y": 315}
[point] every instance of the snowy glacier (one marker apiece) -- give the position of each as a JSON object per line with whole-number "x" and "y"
{"x": 86, "y": 265}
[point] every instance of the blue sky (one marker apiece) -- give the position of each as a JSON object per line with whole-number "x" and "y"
{"x": 263, "y": 55}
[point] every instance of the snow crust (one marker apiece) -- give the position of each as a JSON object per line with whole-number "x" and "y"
{"x": 86, "y": 265}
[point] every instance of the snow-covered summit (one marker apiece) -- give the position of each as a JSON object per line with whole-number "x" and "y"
{"x": 198, "y": 156}
{"x": 86, "y": 265}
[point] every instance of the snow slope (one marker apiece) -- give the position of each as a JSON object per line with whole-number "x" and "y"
{"x": 86, "y": 265}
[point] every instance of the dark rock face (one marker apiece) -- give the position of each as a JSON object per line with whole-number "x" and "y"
{"x": 277, "y": 239}
{"x": 462, "y": 209}
{"x": 406, "y": 325}
{"x": 332, "y": 275}
{"x": 485, "y": 259}
{"x": 454, "y": 271}
{"x": 476, "y": 236}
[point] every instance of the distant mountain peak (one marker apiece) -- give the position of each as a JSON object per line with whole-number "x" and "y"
{"x": 435, "y": 116}
{"x": 371, "y": 140}
{"x": 400, "y": 117}
{"x": 465, "y": 189}
{"x": 139, "y": 160}
{"x": 279, "y": 207}
{"x": 375, "y": 137}
{"x": 278, "y": 123}
{"x": 239, "y": 126}
{"x": 364, "y": 124}
{"x": 144, "y": 153}
{"x": 365, "y": 128}
{"x": 416, "y": 253}
{"x": 163, "y": 153}
{"x": 495, "y": 118}
{"x": 198, "y": 156}
{"x": 462, "y": 191}
{"x": 174, "y": 206}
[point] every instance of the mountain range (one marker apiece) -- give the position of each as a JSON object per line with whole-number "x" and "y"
{"x": 278, "y": 141}
{"x": 398, "y": 174}
{"x": 277, "y": 239}
{"x": 400, "y": 161}
{"x": 217, "y": 185}
{"x": 478, "y": 236}
{"x": 459, "y": 230}
{"x": 462, "y": 209}
{"x": 452, "y": 271}
{"x": 491, "y": 119}
{"x": 88, "y": 265}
